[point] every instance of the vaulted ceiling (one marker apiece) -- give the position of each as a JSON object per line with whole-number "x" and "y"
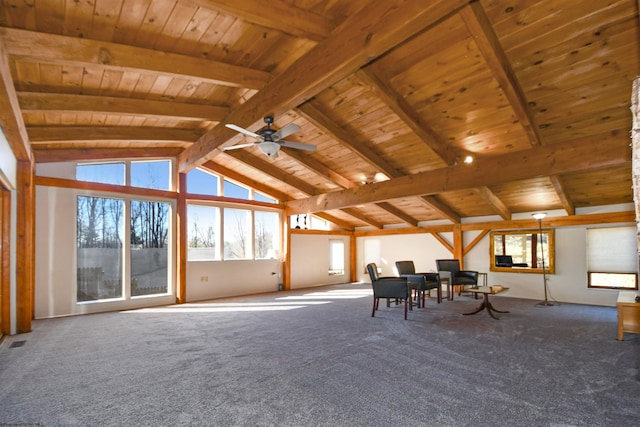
{"x": 393, "y": 94}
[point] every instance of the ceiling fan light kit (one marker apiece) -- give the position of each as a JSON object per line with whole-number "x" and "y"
{"x": 270, "y": 140}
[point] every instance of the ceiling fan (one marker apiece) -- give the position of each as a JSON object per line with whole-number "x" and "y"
{"x": 270, "y": 140}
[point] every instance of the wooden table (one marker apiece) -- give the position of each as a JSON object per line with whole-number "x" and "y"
{"x": 628, "y": 313}
{"x": 486, "y": 304}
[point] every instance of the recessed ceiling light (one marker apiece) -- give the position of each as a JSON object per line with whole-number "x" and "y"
{"x": 468, "y": 159}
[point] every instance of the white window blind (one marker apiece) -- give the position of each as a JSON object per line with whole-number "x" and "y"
{"x": 612, "y": 250}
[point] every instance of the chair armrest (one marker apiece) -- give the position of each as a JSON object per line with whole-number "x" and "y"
{"x": 468, "y": 273}
{"x": 431, "y": 277}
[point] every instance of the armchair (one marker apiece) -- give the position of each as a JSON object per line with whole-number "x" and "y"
{"x": 451, "y": 268}
{"x": 421, "y": 282}
{"x": 388, "y": 287}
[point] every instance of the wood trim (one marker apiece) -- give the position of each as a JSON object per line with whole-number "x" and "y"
{"x": 25, "y": 247}
{"x": 96, "y": 186}
{"x": 353, "y": 258}
{"x": 182, "y": 225}
{"x": 564, "y": 221}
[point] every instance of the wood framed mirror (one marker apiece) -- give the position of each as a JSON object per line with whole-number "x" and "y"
{"x": 522, "y": 251}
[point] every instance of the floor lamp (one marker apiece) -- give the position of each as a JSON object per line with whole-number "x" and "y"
{"x": 546, "y": 302}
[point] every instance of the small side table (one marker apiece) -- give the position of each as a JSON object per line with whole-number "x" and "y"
{"x": 486, "y": 305}
{"x": 628, "y": 313}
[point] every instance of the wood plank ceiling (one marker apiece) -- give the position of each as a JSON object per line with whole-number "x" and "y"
{"x": 394, "y": 95}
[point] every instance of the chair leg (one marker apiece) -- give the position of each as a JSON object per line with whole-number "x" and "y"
{"x": 405, "y": 309}
{"x": 439, "y": 292}
{"x": 423, "y": 299}
{"x": 375, "y": 306}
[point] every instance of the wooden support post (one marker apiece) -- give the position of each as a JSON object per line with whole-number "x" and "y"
{"x": 181, "y": 276}
{"x": 25, "y": 247}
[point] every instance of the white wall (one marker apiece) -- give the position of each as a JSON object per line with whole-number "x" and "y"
{"x": 216, "y": 279}
{"x": 8, "y": 176}
{"x": 310, "y": 260}
{"x": 569, "y": 284}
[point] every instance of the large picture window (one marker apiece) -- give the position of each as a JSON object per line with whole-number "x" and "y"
{"x": 100, "y": 231}
{"x": 149, "y": 248}
{"x": 123, "y": 244}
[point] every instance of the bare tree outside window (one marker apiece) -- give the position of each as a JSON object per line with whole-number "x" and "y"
{"x": 149, "y": 252}
{"x": 265, "y": 233}
{"x": 237, "y": 234}
{"x": 99, "y": 225}
{"x": 203, "y": 233}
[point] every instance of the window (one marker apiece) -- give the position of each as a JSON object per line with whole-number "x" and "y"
{"x": 149, "y": 248}
{"x": 612, "y": 258}
{"x": 237, "y": 236}
{"x": 123, "y": 245}
{"x": 203, "y": 233}
{"x": 105, "y": 173}
{"x": 151, "y": 174}
{"x": 235, "y": 191}
{"x": 266, "y": 234}
{"x": 201, "y": 182}
{"x": 262, "y": 198}
{"x": 99, "y": 241}
{"x": 336, "y": 257}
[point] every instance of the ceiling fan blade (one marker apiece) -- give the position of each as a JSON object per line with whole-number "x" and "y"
{"x": 285, "y": 131}
{"x": 243, "y": 130}
{"x": 233, "y": 147}
{"x": 298, "y": 145}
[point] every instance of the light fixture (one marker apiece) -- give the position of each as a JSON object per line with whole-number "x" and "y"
{"x": 468, "y": 160}
{"x": 539, "y": 216}
{"x": 269, "y": 148}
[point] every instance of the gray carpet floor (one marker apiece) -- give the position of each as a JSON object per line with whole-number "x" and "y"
{"x": 316, "y": 357}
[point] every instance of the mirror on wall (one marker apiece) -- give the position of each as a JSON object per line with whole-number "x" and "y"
{"x": 522, "y": 251}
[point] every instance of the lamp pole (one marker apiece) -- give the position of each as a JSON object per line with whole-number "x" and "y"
{"x": 546, "y": 302}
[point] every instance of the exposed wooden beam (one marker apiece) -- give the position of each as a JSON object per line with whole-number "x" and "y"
{"x": 11, "y": 120}
{"x": 57, "y": 49}
{"x": 482, "y": 32}
{"x": 321, "y": 169}
{"x": 362, "y": 37}
{"x": 337, "y": 221}
{"x": 323, "y": 122}
{"x": 494, "y": 201}
{"x": 277, "y": 15}
{"x": 277, "y": 173}
{"x": 445, "y": 210}
{"x": 40, "y": 102}
{"x": 269, "y": 168}
{"x": 373, "y": 76}
{"x": 398, "y": 213}
{"x": 531, "y": 163}
{"x": 47, "y": 155}
{"x": 362, "y": 217}
{"x": 318, "y": 167}
{"x": 105, "y": 133}
{"x": 568, "y": 206}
